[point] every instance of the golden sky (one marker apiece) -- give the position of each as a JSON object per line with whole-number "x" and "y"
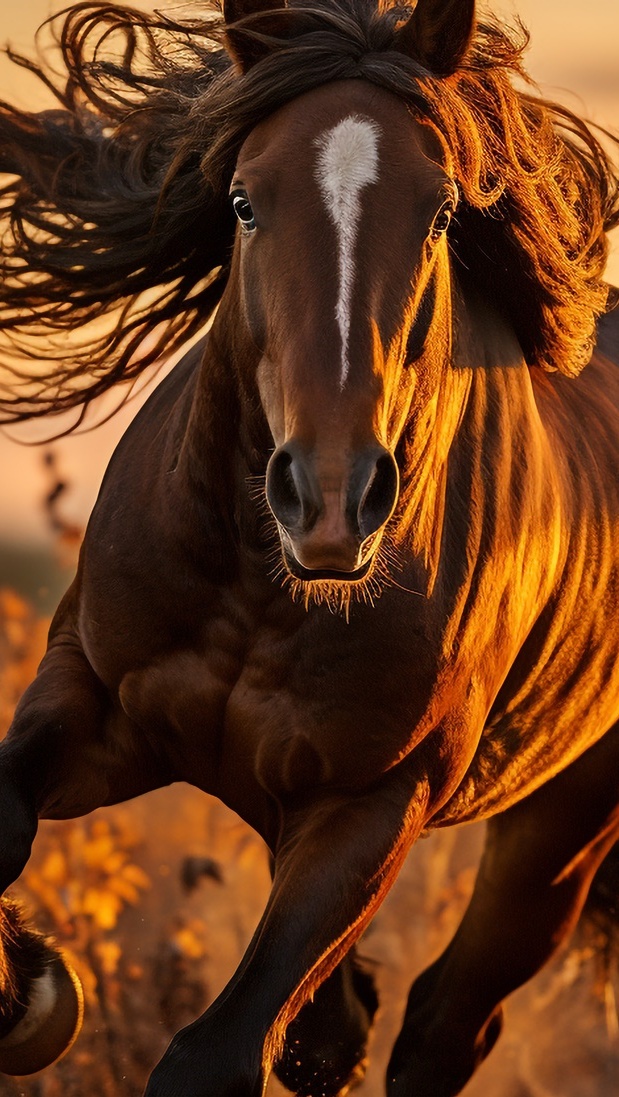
{"x": 574, "y": 56}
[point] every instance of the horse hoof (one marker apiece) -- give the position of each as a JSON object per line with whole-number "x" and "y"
{"x": 50, "y": 1025}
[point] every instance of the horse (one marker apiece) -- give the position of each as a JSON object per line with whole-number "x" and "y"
{"x": 354, "y": 567}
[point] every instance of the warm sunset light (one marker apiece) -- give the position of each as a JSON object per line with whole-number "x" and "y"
{"x": 351, "y": 577}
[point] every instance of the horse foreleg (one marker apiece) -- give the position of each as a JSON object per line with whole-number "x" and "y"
{"x": 64, "y": 755}
{"x": 41, "y": 1001}
{"x": 336, "y": 859}
{"x": 325, "y": 1047}
{"x": 539, "y": 860}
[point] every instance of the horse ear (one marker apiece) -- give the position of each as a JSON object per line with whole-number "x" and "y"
{"x": 438, "y": 34}
{"x": 243, "y": 47}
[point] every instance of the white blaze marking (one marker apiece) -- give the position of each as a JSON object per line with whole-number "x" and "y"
{"x": 347, "y": 162}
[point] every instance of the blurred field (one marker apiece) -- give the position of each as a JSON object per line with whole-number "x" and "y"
{"x": 156, "y": 900}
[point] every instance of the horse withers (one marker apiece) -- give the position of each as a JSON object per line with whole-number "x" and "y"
{"x": 354, "y": 567}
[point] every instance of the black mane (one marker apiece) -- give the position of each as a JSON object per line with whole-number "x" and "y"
{"x": 115, "y": 216}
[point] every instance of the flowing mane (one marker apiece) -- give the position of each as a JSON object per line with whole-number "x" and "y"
{"x": 115, "y": 214}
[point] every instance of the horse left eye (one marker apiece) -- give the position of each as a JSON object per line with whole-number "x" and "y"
{"x": 441, "y": 222}
{"x": 244, "y": 212}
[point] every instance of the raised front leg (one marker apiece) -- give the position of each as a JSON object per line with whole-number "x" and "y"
{"x": 326, "y": 1044}
{"x": 337, "y": 857}
{"x": 66, "y": 753}
{"x": 539, "y": 861}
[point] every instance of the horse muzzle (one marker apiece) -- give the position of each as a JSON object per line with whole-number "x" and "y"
{"x": 331, "y": 519}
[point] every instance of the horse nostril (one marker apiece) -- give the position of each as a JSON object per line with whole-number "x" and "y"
{"x": 380, "y": 495}
{"x": 289, "y": 493}
{"x": 282, "y": 495}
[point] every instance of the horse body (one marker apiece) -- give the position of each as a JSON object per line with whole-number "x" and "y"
{"x": 480, "y": 666}
{"x": 353, "y": 570}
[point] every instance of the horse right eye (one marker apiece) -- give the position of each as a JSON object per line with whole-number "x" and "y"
{"x": 441, "y": 222}
{"x": 244, "y": 212}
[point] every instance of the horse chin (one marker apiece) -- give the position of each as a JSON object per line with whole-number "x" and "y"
{"x": 335, "y": 589}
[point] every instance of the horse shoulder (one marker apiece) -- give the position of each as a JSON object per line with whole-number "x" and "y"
{"x": 536, "y": 726}
{"x": 130, "y": 573}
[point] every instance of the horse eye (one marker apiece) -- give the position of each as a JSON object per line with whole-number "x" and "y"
{"x": 244, "y": 212}
{"x": 441, "y": 222}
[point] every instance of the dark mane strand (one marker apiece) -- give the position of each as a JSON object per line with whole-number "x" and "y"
{"x": 115, "y": 217}
{"x": 105, "y": 227}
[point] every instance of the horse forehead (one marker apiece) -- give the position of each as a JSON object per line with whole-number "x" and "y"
{"x": 352, "y": 115}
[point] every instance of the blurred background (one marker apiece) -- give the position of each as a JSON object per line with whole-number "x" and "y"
{"x": 157, "y": 900}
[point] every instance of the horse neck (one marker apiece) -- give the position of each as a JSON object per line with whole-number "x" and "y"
{"x": 480, "y": 479}
{"x": 504, "y": 508}
{"x": 225, "y": 445}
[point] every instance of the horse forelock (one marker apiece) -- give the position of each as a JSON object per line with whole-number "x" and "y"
{"x": 157, "y": 130}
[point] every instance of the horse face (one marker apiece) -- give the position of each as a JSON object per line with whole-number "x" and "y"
{"x": 341, "y": 206}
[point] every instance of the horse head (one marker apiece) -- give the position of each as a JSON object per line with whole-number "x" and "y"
{"x": 343, "y": 201}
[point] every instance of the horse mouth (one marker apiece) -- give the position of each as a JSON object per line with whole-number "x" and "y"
{"x": 318, "y": 575}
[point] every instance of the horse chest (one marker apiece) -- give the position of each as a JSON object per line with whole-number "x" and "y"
{"x": 288, "y": 708}
{"x": 324, "y": 709}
